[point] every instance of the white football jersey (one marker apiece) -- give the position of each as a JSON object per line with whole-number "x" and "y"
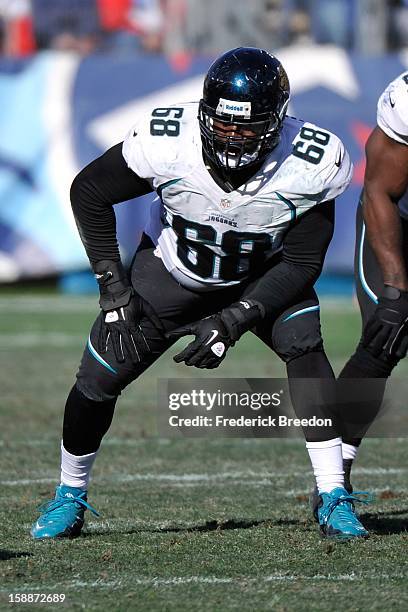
{"x": 209, "y": 238}
{"x": 392, "y": 118}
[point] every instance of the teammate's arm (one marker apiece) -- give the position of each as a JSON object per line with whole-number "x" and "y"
{"x": 386, "y": 180}
{"x": 304, "y": 250}
{"x": 104, "y": 182}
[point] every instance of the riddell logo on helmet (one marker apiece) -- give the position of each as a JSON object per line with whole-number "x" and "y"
{"x": 233, "y": 107}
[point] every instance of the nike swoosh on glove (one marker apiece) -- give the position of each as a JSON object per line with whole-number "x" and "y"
{"x": 210, "y": 345}
{"x": 216, "y": 334}
{"x": 387, "y": 330}
{"x": 123, "y": 311}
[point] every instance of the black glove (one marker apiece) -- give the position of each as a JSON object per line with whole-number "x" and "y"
{"x": 387, "y": 329}
{"x": 216, "y": 334}
{"x": 123, "y": 310}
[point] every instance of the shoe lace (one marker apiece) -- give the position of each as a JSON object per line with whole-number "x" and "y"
{"x": 351, "y": 498}
{"x": 59, "y": 503}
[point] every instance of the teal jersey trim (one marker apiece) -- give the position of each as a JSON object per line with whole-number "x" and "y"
{"x": 289, "y": 203}
{"x": 95, "y": 354}
{"x": 300, "y": 312}
{"x": 363, "y": 281}
{"x": 164, "y": 185}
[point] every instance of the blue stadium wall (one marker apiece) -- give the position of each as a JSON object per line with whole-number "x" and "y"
{"x": 59, "y": 112}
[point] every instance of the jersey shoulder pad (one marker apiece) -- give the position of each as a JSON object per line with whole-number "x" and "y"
{"x": 163, "y": 143}
{"x": 321, "y": 163}
{"x": 392, "y": 109}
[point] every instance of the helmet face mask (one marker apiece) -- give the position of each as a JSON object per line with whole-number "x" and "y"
{"x": 246, "y": 94}
{"x": 236, "y": 143}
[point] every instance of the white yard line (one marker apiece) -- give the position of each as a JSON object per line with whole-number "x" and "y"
{"x": 29, "y": 304}
{"x": 32, "y": 339}
{"x": 122, "y": 442}
{"x": 237, "y": 478}
{"x": 175, "y": 581}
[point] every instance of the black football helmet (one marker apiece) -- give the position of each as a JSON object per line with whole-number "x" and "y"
{"x": 245, "y": 97}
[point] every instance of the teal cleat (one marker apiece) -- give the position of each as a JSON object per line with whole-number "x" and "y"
{"x": 337, "y": 517}
{"x": 62, "y": 517}
{"x": 314, "y": 498}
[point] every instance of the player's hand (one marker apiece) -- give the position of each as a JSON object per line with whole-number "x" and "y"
{"x": 216, "y": 334}
{"x": 122, "y": 329}
{"x": 387, "y": 329}
{"x": 123, "y": 310}
{"x": 210, "y": 345}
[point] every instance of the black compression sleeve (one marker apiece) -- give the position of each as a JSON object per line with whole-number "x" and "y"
{"x": 104, "y": 182}
{"x": 304, "y": 250}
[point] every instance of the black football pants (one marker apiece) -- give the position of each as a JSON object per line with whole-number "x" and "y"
{"x": 294, "y": 335}
{"x": 359, "y": 404}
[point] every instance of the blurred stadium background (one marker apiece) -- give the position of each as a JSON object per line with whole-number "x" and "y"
{"x": 188, "y": 524}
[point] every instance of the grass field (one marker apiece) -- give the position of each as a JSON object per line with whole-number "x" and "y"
{"x": 188, "y": 524}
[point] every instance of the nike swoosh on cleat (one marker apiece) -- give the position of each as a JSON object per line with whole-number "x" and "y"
{"x": 214, "y": 333}
{"x": 392, "y": 102}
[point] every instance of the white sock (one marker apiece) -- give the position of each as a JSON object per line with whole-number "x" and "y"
{"x": 75, "y": 470}
{"x": 327, "y": 463}
{"x": 349, "y": 451}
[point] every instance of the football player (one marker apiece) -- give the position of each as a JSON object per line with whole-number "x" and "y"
{"x": 381, "y": 259}
{"x": 236, "y": 240}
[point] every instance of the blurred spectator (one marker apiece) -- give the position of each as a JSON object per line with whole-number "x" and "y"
{"x": 131, "y": 25}
{"x": 113, "y": 14}
{"x": 147, "y": 18}
{"x": 173, "y": 37}
{"x": 114, "y": 21}
{"x": 216, "y": 25}
{"x": 16, "y": 31}
{"x": 297, "y": 21}
{"x": 333, "y": 21}
{"x": 398, "y": 30}
{"x": 180, "y": 28}
{"x": 371, "y": 26}
{"x": 71, "y": 25}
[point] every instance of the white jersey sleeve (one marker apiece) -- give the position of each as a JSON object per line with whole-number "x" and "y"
{"x": 392, "y": 109}
{"x": 133, "y": 151}
{"x": 161, "y": 145}
{"x": 319, "y": 167}
{"x": 336, "y": 170}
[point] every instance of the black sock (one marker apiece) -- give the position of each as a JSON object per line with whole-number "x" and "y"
{"x": 85, "y": 422}
{"x": 347, "y": 463}
{"x": 315, "y": 397}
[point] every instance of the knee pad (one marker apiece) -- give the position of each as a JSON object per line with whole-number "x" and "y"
{"x": 98, "y": 380}
{"x": 295, "y": 336}
{"x": 96, "y": 390}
